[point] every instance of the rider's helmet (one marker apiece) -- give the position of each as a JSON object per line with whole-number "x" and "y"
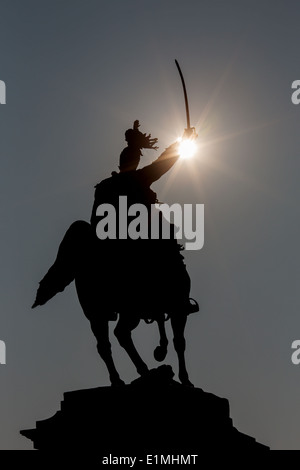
{"x": 136, "y": 140}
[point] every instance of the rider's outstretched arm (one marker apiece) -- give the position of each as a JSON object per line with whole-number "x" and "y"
{"x": 161, "y": 165}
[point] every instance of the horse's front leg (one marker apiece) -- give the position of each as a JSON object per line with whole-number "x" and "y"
{"x": 101, "y": 331}
{"x": 178, "y": 326}
{"x": 160, "y": 351}
{"x": 123, "y": 331}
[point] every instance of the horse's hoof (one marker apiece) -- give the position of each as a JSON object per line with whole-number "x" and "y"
{"x": 117, "y": 382}
{"x": 143, "y": 372}
{"x": 193, "y": 306}
{"x": 186, "y": 381}
{"x": 160, "y": 353}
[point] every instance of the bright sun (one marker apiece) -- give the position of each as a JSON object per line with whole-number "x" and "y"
{"x": 187, "y": 148}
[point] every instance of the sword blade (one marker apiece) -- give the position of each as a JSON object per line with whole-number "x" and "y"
{"x": 187, "y": 110}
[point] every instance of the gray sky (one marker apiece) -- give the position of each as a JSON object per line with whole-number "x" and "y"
{"x": 78, "y": 73}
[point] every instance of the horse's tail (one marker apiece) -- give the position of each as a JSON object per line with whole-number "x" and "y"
{"x": 63, "y": 271}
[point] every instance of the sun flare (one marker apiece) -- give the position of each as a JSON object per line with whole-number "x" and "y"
{"x": 187, "y": 148}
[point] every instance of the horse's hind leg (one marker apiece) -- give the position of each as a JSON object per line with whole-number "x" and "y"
{"x": 178, "y": 325}
{"x": 160, "y": 351}
{"x": 101, "y": 331}
{"x": 123, "y": 331}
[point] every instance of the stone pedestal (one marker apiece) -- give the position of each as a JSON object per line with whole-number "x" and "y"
{"x": 153, "y": 415}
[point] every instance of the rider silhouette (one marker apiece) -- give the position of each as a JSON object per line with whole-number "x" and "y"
{"x": 163, "y": 276}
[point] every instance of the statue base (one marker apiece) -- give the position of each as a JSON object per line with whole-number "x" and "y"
{"x": 154, "y": 415}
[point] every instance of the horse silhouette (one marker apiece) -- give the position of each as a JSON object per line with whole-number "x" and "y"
{"x": 135, "y": 279}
